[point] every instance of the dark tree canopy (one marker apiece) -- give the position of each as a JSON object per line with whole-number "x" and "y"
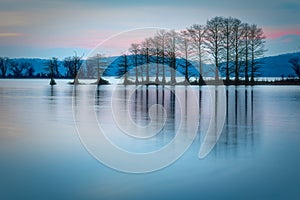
{"x": 295, "y": 65}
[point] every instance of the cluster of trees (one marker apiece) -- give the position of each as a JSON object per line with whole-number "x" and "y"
{"x": 9, "y": 68}
{"x": 228, "y": 44}
{"x": 17, "y": 70}
{"x": 72, "y": 65}
{"x": 12, "y": 69}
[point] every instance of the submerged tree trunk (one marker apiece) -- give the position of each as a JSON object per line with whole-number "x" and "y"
{"x": 52, "y": 82}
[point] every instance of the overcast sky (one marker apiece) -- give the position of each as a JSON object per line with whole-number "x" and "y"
{"x": 32, "y": 28}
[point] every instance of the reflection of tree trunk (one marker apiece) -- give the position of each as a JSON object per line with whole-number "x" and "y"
{"x": 216, "y": 111}
{"x": 246, "y": 106}
{"x": 172, "y": 101}
{"x": 185, "y": 102}
{"x": 227, "y": 116}
{"x": 135, "y": 104}
{"x": 98, "y": 96}
{"x": 147, "y": 100}
{"x": 252, "y": 124}
{"x": 141, "y": 99}
{"x": 200, "y": 111}
{"x": 125, "y": 98}
{"x": 172, "y": 107}
{"x": 236, "y": 113}
{"x": 163, "y": 96}
{"x": 52, "y": 91}
{"x": 75, "y": 96}
{"x": 156, "y": 98}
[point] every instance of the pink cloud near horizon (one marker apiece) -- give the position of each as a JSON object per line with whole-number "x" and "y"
{"x": 275, "y": 34}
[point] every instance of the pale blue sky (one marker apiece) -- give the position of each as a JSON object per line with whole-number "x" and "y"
{"x": 31, "y": 28}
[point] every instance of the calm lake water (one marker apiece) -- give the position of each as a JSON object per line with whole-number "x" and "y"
{"x": 42, "y": 157}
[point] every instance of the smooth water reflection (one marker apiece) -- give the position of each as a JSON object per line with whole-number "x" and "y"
{"x": 256, "y": 157}
{"x": 175, "y": 100}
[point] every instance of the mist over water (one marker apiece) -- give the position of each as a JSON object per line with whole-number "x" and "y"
{"x": 42, "y": 157}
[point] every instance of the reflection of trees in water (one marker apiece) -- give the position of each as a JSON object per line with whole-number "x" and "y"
{"x": 238, "y": 128}
{"x": 238, "y": 132}
{"x": 143, "y": 98}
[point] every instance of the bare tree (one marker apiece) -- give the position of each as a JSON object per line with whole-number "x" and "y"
{"x": 213, "y": 42}
{"x": 185, "y": 51}
{"x": 146, "y": 52}
{"x": 123, "y": 68}
{"x": 295, "y": 65}
{"x": 51, "y": 67}
{"x": 96, "y": 63}
{"x": 155, "y": 50}
{"x": 100, "y": 62}
{"x": 135, "y": 49}
{"x": 171, "y": 40}
{"x": 68, "y": 64}
{"x": 197, "y": 33}
{"x": 4, "y": 65}
{"x": 161, "y": 36}
{"x": 257, "y": 48}
{"x": 228, "y": 39}
{"x": 238, "y": 33}
{"x": 72, "y": 64}
{"x": 245, "y": 53}
{"x": 77, "y": 61}
{"x": 56, "y": 66}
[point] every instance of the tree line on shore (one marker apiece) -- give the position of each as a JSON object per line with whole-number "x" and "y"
{"x": 10, "y": 68}
{"x": 230, "y": 46}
